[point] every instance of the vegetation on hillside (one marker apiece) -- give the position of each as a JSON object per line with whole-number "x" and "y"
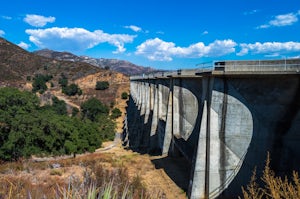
{"x": 124, "y": 95}
{"x": 27, "y": 129}
{"x": 115, "y": 113}
{"x": 71, "y": 90}
{"x": 102, "y": 85}
{"x": 39, "y": 83}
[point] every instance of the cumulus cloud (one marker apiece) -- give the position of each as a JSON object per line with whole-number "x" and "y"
{"x": 282, "y": 20}
{"x": 134, "y": 28}
{"x": 268, "y": 48}
{"x": 76, "y": 39}
{"x": 24, "y": 45}
{"x": 159, "y": 50}
{"x": 205, "y": 32}
{"x": 38, "y": 20}
{"x": 2, "y": 33}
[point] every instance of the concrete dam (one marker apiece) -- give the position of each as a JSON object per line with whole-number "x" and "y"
{"x": 223, "y": 118}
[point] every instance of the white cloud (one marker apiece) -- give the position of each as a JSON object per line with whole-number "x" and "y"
{"x": 269, "y": 48}
{"x": 2, "y": 33}
{"x": 284, "y": 20}
{"x": 6, "y": 17}
{"x": 205, "y": 32}
{"x": 134, "y": 28}
{"x": 159, "y": 50}
{"x": 24, "y": 45}
{"x": 38, "y": 20}
{"x": 76, "y": 39}
{"x": 251, "y": 12}
{"x": 281, "y": 20}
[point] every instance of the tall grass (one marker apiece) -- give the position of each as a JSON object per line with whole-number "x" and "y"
{"x": 96, "y": 181}
{"x": 273, "y": 187}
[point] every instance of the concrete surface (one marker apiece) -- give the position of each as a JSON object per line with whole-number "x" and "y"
{"x": 223, "y": 121}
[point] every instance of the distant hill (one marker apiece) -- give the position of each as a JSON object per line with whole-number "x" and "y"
{"x": 121, "y": 66}
{"x": 17, "y": 64}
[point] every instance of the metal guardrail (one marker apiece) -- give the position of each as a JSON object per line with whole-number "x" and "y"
{"x": 290, "y": 65}
{"x": 264, "y": 67}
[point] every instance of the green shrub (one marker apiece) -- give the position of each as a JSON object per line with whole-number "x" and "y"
{"x": 115, "y": 113}
{"x": 92, "y": 108}
{"x": 72, "y": 90}
{"x": 63, "y": 81}
{"x": 39, "y": 83}
{"x": 124, "y": 95}
{"x": 102, "y": 85}
{"x": 27, "y": 129}
{"x": 59, "y": 106}
{"x": 75, "y": 111}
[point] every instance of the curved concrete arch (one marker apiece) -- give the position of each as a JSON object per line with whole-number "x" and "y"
{"x": 225, "y": 135}
{"x": 184, "y": 115}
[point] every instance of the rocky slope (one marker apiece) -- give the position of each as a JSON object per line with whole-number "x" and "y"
{"x": 16, "y": 65}
{"x": 121, "y": 66}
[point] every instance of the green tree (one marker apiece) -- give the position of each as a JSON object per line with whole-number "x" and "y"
{"x": 75, "y": 111}
{"x": 59, "y": 106}
{"x": 124, "y": 95}
{"x": 115, "y": 113}
{"x": 92, "y": 108}
{"x": 72, "y": 90}
{"x": 26, "y": 128}
{"x": 63, "y": 81}
{"x": 102, "y": 85}
{"x": 39, "y": 83}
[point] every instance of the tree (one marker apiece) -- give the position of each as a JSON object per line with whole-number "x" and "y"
{"x": 75, "y": 111}
{"x": 63, "y": 81}
{"x": 124, "y": 95}
{"x": 59, "y": 106}
{"x": 39, "y": 83}
{"x": 102, "y": 85}
{"x": 93, "y": 108}
{"x": 72, "y": 90}
{"x": 26, "y": 128}
{"x": 115, "y": 113}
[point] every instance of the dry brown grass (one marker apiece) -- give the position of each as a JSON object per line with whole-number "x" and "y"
{"x": 274, "y": 187}
{"x": 74, "y": 177}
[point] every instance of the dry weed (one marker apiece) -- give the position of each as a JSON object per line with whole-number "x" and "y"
{"x": 274, "y": 187}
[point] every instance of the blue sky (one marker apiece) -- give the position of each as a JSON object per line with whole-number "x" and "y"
{"x": 158, "y": 33}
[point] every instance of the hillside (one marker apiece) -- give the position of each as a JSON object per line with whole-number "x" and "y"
{"x": 37, "y": 177}
{"x": 17, "y": 65}
{"x": 121, "y": 66}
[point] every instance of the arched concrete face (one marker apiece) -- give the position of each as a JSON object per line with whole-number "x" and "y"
{"x": 225, "y": 135}
{"x": 163, "y": 96}
{"x": 231, "y": 129}
{"x": 184, "y": 115}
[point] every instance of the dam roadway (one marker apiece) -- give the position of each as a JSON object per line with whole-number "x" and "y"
{"x": 223, "y": 118}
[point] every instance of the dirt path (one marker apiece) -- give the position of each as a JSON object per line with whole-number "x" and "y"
{"x": 60, "y": 96}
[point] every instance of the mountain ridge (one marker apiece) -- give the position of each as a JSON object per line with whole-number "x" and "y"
{"x": 121, "y": 66}
{"x": 19, "y": 67}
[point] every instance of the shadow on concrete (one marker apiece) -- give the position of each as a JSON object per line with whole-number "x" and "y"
{"x": 177, "y": 168}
